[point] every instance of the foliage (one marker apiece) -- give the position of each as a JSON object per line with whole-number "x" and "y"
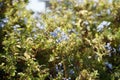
{"x": 71, "y": 41}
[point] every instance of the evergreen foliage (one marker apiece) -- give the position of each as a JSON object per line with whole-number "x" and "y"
{"x": 70, "y": 41}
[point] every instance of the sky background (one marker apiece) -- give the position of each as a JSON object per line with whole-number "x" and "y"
{"x": 36, "y": 6}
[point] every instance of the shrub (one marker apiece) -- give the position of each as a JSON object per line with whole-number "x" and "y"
{"x": 71, "y": 41}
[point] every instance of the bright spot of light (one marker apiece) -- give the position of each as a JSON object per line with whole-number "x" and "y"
{"x": 36, "y": 6}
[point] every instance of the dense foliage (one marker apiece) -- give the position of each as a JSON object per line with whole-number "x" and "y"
{"x": 72, "y": 40}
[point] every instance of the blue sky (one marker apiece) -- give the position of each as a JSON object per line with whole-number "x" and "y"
{"x": 36, "y": 5}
